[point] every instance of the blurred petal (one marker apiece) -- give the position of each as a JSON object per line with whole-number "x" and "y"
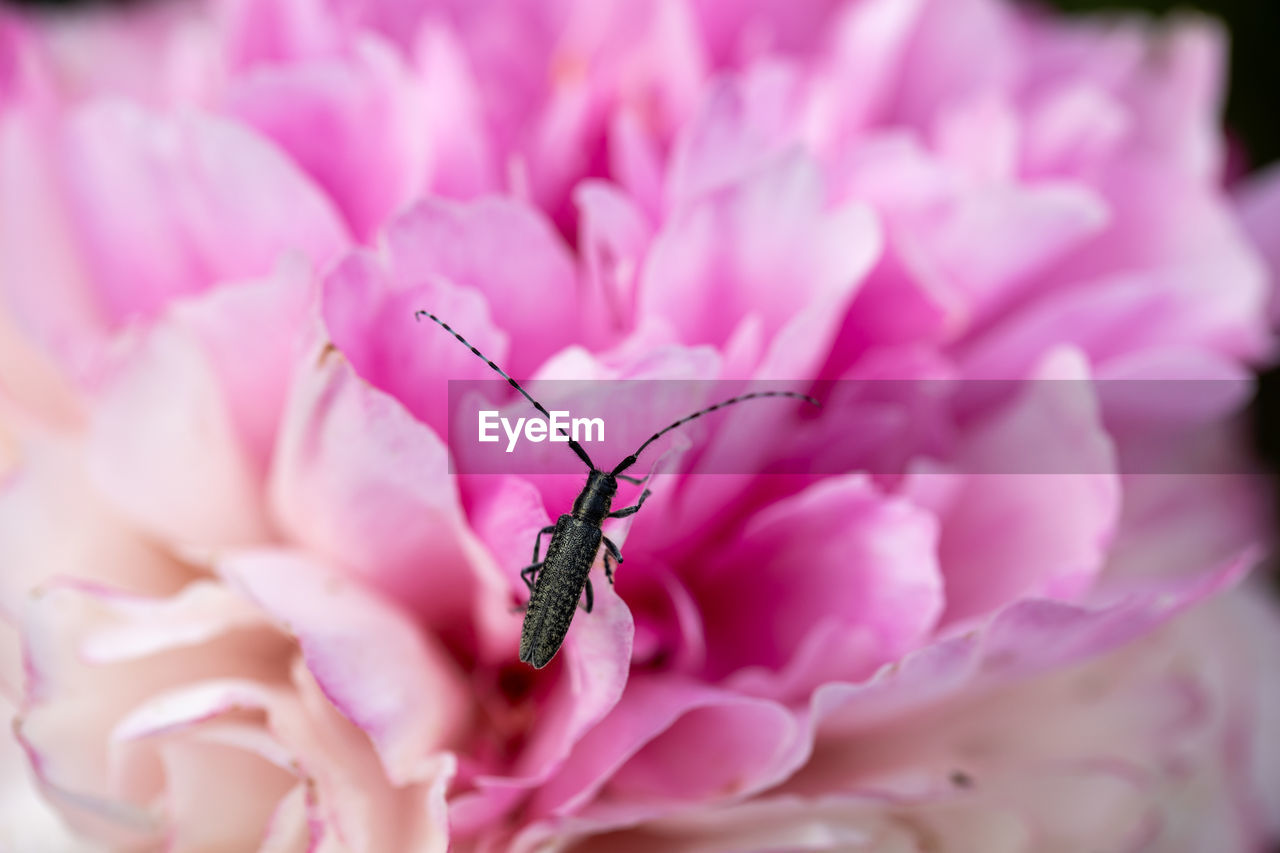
{"x": 381, "y": 671}
{"x": 361, "y": 483}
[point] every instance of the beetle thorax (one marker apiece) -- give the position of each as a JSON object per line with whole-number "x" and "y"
{"x": 596, "y": 499}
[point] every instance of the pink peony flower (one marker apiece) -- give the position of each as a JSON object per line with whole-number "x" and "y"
{"x": 246, "y": 605}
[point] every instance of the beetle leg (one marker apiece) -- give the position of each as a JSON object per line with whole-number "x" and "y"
{"x": 610, "y": 550}
{"x": 631, "y": 510}
{"x": 527, "y": 574}
{"x": 537, "y": 545}
{"x": 590, "y": 597}
{"x": 633, "y": 480}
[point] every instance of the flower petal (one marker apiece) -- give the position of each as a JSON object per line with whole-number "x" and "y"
{"x": 381, "y": 671}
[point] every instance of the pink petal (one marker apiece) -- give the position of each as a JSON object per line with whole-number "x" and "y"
{"x": 278, "y": 32}
{"x": 596, "y": 662}
{"x": 867, "y": 44}
{"x": 360, "y": 482}
{"x": 764, "y": 251}
{"x": 38, "y": 242}
{"x": 1035, "y": 225}
{"x": 288, "y": 830}
{"x": 507, "y": 252}
{"x": 354, "y": 124}
{"x": 169, "y": 206}
{"x": 165, "y": 54}
{"x": 839, "y": 552}
{"x": 743, "y": 124}
{"x": 378, "y": 668}
{"x": 463, "y": 163}
{"x": 369, "y": 313}
{"x": 980, "y": 137}
{"x": 1073, "y": 129}
{"x": 1174, "y": 240}
{"x": 736, "y": 30}
{"x": 958, "y": 49}
{"x": 644, "y": 746}
{"x": 1039, "y": 506}
{"x": 1177, "y": 95}
{"x": 614, "y": 236}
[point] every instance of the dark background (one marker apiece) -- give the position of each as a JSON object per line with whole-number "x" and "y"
{"x": 1253, "y": 118}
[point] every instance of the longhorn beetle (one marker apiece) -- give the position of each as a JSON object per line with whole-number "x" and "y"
{"x": 556, "y": 584}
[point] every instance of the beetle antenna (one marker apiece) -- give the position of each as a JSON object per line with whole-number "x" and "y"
{"x": 573, "y": 445}
{"x": 631, "y": 460}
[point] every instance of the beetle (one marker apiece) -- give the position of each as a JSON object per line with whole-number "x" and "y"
{"x": 557, "y": 583}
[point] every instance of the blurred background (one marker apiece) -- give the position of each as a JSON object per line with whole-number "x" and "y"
{"x": 1252, "y": 119}
{"x": 1252, "y": 111}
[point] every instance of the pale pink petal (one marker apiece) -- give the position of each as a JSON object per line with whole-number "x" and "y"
{"x": 1073, "y": 128}
{"x": 1174, "y": 238}
{"x": 163, "y": 746}
{"x": 45, "y": 495}
{"x": 378, "y": 668}
{"x": 183, "y": 473}
{"x": 1023, "y": 639}
{"x": 250, "y": 332}
{"x": 360, "y": 482}
{"x": 1177, "y": 95}
{"x": 200, "y": 612}
{"x": 979, "y": 136}
{"x": 1119, "y": 316}
{"x": 72, "y": 703}
{"x": 287, "y": 829}
{"x": 27, "y": 819}
{"x": 203, "y": 777}
{"x": 352, "y": 805}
